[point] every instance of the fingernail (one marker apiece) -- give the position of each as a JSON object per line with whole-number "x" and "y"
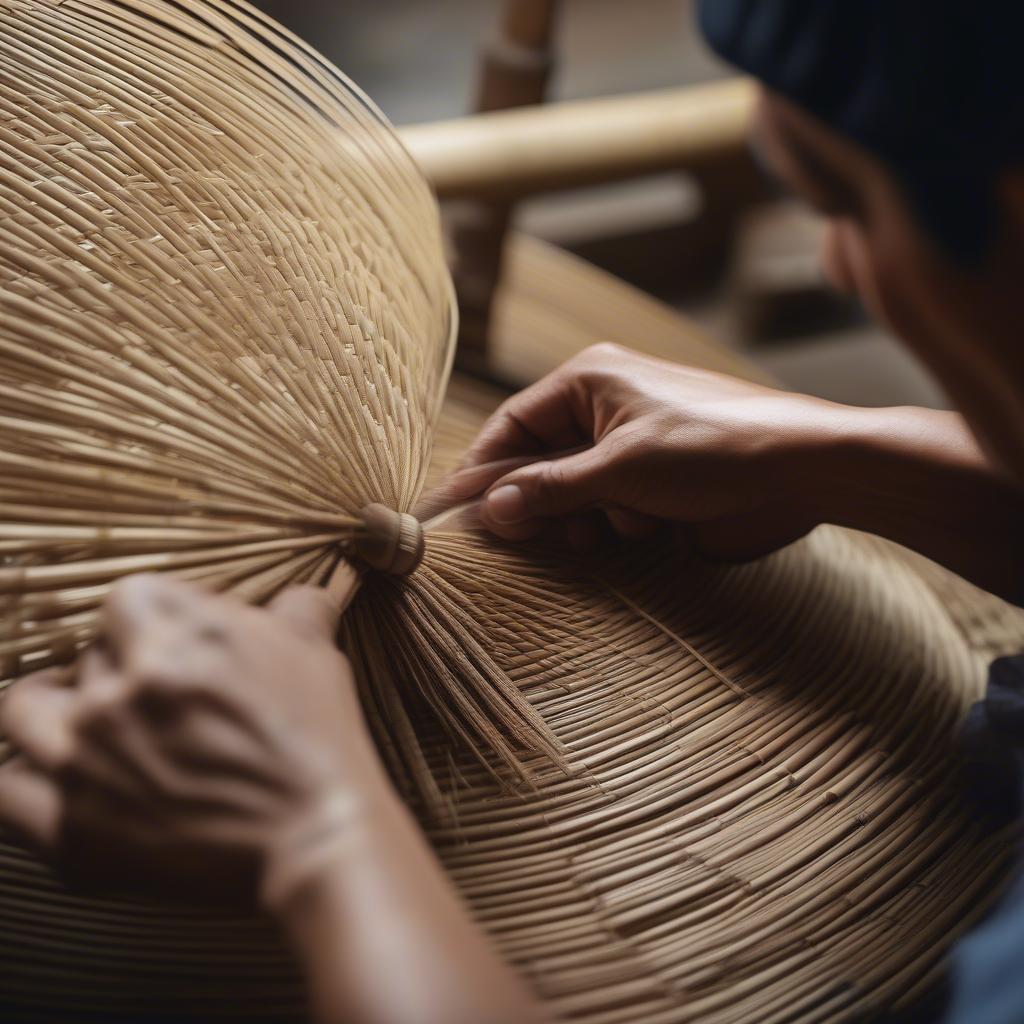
{"x": 506, "y": 504}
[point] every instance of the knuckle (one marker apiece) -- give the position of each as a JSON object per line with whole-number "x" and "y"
{"x": 549, "y": 479}
{"x": 99, "y": 717}
{"x": 494, "y": 432}
{"x": 15, "y": 714}
{"x": 18, "y": 699}
{"x": 622, "y": 445}
{"x": 505, "y": 415}
{"x": 130, "y": 590}
{"x": 629, "y": 449}
{"x": 602, "y": 364}
{"x": 503, "y": 411}
{"x": 147, "y": 594}
{"x": 603, "y": 358}
{"x": 572, "y": 366}
{"x": 604, "y": 350}
{"x": 211, "y": 631}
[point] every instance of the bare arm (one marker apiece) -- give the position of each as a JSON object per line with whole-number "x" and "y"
{"x": 213, "y": 748}
{"x": 410, "y": 951}
{"x": 621, "y": 440}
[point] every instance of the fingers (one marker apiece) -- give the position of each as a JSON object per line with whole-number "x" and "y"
{"x": 544, "y": 417}
{"x": 469, "y": 482}
{"x": 96, "y": 679}
{"x": 545, "y": 489}
{"x": 30, "y": 803}
{"x": 160, "y": 628}
{"x": 37, "y": 717}
{"x": 153, "y": 623}
{"x": 135, "y": 600}
{"x": 310, "y": 610}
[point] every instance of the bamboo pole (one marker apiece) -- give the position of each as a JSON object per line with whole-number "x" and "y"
{"x": 514, "y": 153}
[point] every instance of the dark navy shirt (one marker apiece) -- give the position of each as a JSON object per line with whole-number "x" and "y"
{"x": 986, "y": 976}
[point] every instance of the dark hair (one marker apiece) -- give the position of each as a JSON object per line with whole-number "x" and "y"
{"x": 935, "y": 88}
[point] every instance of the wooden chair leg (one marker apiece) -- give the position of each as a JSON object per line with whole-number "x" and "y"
{"x": 514, "y": 71}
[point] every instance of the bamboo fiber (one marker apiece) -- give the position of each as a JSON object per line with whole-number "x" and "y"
{"x": 669, "y": 792}
{"x": 227, "y": 320}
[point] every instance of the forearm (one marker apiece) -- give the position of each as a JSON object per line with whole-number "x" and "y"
{"x": 916, "y": 476}
{"x": 384, "y": 938}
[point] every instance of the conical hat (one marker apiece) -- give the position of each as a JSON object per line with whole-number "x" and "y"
{"x": 669, "y": 791}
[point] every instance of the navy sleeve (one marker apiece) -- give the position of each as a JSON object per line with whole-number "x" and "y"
{"x": 986, "y": 979}
{"x": 985, "y": 984}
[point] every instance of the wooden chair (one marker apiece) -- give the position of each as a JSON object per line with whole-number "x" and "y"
{"x": 525, "y": 306}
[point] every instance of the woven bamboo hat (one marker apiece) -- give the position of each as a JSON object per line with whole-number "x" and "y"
{"x": 669, "y": 791}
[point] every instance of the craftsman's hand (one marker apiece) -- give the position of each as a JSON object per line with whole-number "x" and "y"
{"x": 217, "y": 749}
{"x": 614, "y": 437}
{"x": 188, "y": 742}
{"x": 656, "y": 442}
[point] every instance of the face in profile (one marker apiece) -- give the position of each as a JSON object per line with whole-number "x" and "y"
{"x": 962, "y": 320}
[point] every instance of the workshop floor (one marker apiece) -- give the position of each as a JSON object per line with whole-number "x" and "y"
{"x": 416, "y": 58}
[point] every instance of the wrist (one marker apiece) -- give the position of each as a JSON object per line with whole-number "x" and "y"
{"x": 813, "y": 456}
{"x": 325, "y": 830}
{"x": 881, "y": 466}
{"x": 302, "y": 848}
{"x": 918, "y": 477}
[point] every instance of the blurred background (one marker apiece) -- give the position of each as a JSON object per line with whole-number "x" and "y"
{"x": 749, "y": 278}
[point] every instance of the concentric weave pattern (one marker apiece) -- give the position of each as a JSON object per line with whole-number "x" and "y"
{"x": 670, "y": 792}
{"x": 225, "y": 321}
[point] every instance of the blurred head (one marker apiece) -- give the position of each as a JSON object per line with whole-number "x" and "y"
{"x": 921, "y": 180}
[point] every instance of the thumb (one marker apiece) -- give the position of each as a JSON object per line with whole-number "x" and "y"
{"x": 553, "y": 488}
{"x": 309, "y": 610}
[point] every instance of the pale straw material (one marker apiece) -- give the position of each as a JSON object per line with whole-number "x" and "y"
{"x": 670, "y": 792}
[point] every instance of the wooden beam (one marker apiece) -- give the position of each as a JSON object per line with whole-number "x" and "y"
{"x": 513, "y": 153}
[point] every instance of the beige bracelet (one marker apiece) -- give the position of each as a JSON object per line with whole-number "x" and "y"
{"x": 314, "y": 839}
